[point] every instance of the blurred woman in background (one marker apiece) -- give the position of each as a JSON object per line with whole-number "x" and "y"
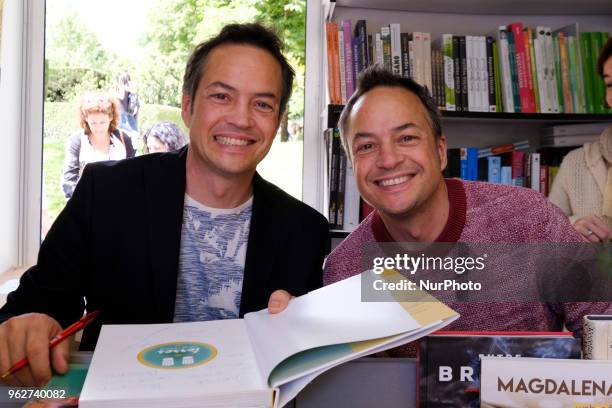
{"x": 97, "y": 140}
{"x": 583, "y": 186}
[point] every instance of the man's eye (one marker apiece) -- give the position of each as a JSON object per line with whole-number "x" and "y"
{"x": 365, "y": 146}
{"x": 408, "y": 138}
{"x": 220, "y": 96}
{"x": 264, "y": 106}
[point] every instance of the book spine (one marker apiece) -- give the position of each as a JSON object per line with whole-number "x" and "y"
{"x": 333, "y": 69}
{"x": 342, "y": 65}
{"x": 599, "y": 85}
{"x": 333, "y": 180}
{"x": 484, "y": 75}
{"x": 472, "y": 163}
{"x": 603, "y": 36}
{"x": 491, "y": 76}
{"x": 405, "y": 55}
{"x": 497, "y": 73}
{"x": 464, "y": 74}
{"x": 531, "y": 80}
{"x": 357, "y": 67}
{"x": 435, "y": 91}
{"x": 588, "y": 71}
{"x": 348, "y": 58}
{"x": 579, "y": 76}
{"x": 362, "y": 34}
{"x": 385, "y": 35}
{"x": 396, "y": 48}
{"x": 549, "y": 51}
{"x": 417, "y": 39}
{"x": 558, "y": 75}
{"x": 506, "y": 175}
{"x": 506, "y": 76}
{"x": 544, "y": 180}
{"x": 533, "y": 70}
{"x": 341, "y": 184}
{"x": 571, "y": 72}
{"x": 542, "y": 71}
{"x": 351, "y": 200}
{"x": 426, "y": 53}
{"x": 378, "y": 47}
{"x": 567, "y": 99}
{"x": 449, "y": 75}
{"x": 471, "y": 81}
{"x": 457, "y": 73}
{"x": 442, "y": 90}
{"x": 518, "y": 173}
{"x": 371, "y": 55}
{"x": 463, "y": 173}
{"x": 535, "y": 171}
{"x": 494, "y": 169}
{"x": 513, "y": 72}
{"x": 522, "y": 68}
{"x": 412, "y": 59}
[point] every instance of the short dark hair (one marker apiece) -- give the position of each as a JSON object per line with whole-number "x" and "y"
{"x": 166, "y": 132}
{"x": 375, "y": 76}
{"x": 604, "y": 54}
{"x": 253, "y": 34}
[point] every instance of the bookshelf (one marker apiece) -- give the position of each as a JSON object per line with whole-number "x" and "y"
{"x": 468, "y": 17}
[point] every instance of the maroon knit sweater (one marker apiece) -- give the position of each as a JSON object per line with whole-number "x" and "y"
{"x": 484, "y": 212}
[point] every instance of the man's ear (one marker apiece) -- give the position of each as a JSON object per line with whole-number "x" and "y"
{"x": 186, "y": 109}
{"x": 441, "y": 145}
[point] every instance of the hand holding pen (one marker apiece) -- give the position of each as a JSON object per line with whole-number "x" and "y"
{"x": 28, "y": 336}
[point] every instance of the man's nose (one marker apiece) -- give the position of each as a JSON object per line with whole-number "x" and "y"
{"x": 240, "y": 114}
{"x": 388, "y": 156}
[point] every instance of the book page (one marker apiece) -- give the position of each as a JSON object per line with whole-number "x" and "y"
{"x": 185, "y": 360}
{"x": 332, "y": 316}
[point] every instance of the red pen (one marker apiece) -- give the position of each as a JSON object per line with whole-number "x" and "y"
{"x": 73, "y": 328}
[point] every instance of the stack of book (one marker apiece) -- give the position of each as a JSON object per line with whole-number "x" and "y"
{"x": 514, "y": 69}
{"x": 572, "y": 135}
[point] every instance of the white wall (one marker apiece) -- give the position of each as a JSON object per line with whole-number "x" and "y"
{"x": 10, "y": 128}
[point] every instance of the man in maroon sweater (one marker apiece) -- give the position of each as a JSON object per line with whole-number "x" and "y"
{"x": 391, "y": 132}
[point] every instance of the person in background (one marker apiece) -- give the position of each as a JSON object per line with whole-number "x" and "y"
{"x": 583, "y": 186}
{"x": 129, "y": 104}
{"x": 163, "y": 137}
{"x": 99, "y": 139}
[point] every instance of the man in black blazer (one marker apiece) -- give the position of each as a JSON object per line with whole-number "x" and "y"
{"x": 123, "y": 244}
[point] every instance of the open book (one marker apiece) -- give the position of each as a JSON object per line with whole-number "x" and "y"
{"x": 262, "y": 360}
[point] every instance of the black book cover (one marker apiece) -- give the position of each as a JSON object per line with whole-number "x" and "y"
{"x": 464, "y": 84}
{"x": 334, "y": 179}
{"x": 491, "y": 75}
{"x": 404, "y": 38}
{"x": 361, "y": 33}
{"x": 453, "y": 166}
{"x": 333, "y": 115}
{"x": 449, "y": 364}
{"x": 457, "y": 73}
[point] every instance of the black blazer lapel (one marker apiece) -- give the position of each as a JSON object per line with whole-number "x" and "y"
{"x": 165, "y": 196}
{"x": 263, "y": 237}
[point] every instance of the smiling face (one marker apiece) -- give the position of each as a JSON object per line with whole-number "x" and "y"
{"x": 607, "y": 77}
{"x": 235, "y": 112}
{"x": 397, "y": 161}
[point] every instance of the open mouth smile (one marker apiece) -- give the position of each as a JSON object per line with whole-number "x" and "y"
{"x": 233, "y": 141}
{"x": 393, "y": 181}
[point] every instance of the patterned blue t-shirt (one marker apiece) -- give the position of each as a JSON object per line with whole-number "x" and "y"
{"x": 211, "y": 263}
